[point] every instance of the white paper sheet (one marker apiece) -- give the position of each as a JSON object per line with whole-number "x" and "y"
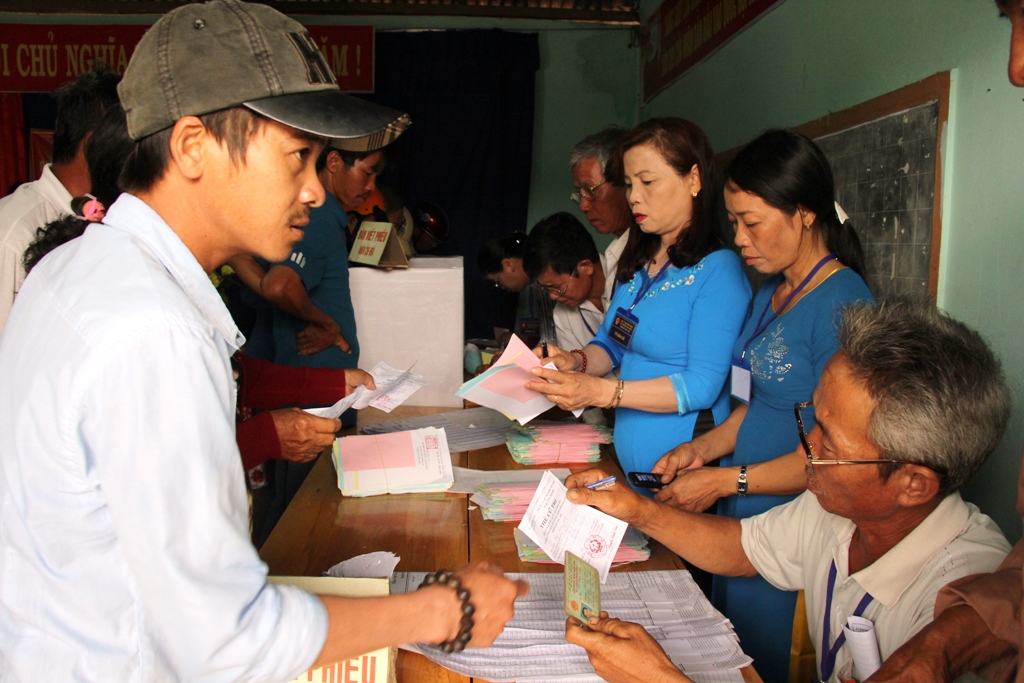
{"x": 380, "y": 564}
{"x": 393, "y": 388}
{"x": 860, "y": 638}
{"x": 466, "y": 429}
{"x": 467, "y": 480}
{"x": 557, "y": 525}
{"x": 532, "y": 647}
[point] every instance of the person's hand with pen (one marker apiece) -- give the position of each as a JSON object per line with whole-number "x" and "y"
{"x": 577, "y": 383}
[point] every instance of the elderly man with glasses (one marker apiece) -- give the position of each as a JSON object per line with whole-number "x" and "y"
{"x": 600, "y": 200}
{"x": 907, "y": 411}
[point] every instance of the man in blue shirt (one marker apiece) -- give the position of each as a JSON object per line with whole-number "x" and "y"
{"x": 314, "y": 323}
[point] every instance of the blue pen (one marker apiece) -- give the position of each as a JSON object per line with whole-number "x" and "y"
{"x": 544, "y": 349}
{"x": 601, "y": 485}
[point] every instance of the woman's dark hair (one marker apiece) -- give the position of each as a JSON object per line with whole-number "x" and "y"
{"x": 681, "y": 144}
{"x": 105, "y": 154}
{"x": 788, "y": 171}
{"x": 497, "y": 249}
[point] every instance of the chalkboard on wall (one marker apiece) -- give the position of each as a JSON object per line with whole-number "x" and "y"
{"x": 885, "y": 180}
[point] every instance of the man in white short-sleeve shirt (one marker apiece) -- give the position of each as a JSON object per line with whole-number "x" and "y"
{"x": 907, "y": 411}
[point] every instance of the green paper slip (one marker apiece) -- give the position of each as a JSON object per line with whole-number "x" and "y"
{"x": 582, "y": 589}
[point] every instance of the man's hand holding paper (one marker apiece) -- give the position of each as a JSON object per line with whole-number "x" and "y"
{"x": 617, "y": 500}
{"x": 556, "y": 525}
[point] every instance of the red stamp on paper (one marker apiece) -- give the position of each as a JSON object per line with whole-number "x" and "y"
{"x": 431, "y": 441}
{"x": 596, "y": 546}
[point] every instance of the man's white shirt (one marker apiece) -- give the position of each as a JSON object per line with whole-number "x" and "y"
{"x": 22, "y": 212}
{"x": 124, "y": 548}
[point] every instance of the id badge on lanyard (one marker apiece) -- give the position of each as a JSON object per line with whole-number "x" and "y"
{"x": 741, "y": 384}
{"x": 741, "y": 379}
{"x": 624, "y": 325}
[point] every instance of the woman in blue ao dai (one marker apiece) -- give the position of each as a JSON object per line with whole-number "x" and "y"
{"x": 779, "y": 195}
{"x": 681, "y": 295}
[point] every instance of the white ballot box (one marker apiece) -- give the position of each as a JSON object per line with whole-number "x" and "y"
{"x": 413, "y": 316}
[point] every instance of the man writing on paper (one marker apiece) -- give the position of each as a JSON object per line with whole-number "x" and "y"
{"x": 124, "y": 540}
{"x": 908, "y": 409}
{"x": 563, "y": 262}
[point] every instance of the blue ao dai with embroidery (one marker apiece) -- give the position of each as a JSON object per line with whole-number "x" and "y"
{"x": 689, "y": 321}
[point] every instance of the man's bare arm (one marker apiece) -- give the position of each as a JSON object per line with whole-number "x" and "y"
{"x": 709, "y": 541}
{"x": 283, "y": 287}
{"x": 956, "y": 642}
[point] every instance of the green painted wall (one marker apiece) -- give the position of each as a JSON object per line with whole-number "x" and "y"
{"x": 807, "y": 58}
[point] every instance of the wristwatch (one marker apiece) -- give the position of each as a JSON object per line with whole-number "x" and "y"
{"x": 741, "y": 483}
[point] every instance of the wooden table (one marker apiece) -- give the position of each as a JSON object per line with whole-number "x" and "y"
{"x": 428, "y": 531}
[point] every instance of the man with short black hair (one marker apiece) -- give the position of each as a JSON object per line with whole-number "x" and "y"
{"x": 562, "y": 260}
{"x": 124, "y": 539}
{"x": 80, "y": 104}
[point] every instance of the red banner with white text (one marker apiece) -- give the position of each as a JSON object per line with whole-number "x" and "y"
{"x": 40, "y": 57}
{"x": 681, "y": 33}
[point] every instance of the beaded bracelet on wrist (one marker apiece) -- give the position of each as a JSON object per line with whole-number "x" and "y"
{"x": 445, "y": 578}
{"x": 583, "y": 356}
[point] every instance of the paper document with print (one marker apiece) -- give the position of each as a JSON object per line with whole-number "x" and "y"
{"x": 557, "y": 525}
{"x": 393, "y": 388}
{"x": 400, "y": 462}
{"x": 503, "y": 388}
{"x": 668, "y": 604}
{"x": 372, "y": 667}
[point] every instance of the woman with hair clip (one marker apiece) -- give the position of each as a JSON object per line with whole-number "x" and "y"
{"x": 780, "y": 198}
{"x": 676, "y": 312}
{"x": 501, "y": 261}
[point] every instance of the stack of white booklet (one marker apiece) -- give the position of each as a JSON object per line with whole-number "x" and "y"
{"x": 401, "y": 462}
{"x": 696, "y": 636}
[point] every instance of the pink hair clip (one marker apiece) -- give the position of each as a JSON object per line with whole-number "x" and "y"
{"x": 93, "y": 210}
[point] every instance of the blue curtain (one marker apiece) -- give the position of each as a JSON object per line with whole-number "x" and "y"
{"x": 471, "y": 98}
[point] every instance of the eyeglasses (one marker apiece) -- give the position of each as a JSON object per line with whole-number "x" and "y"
{"x": 554, "y": 289}
{"x": 585, "y": 193}
{"x": 797, "y": 408}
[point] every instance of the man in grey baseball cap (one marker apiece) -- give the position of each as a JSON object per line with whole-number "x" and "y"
{"x": 124, "y": 549}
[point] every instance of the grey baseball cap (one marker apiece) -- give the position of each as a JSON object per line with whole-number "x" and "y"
{"x": 201, "y": 58}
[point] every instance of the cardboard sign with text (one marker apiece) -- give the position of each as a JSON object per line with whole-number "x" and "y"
{"x": 377, "y": 245}
{"x": 373, "y": 667}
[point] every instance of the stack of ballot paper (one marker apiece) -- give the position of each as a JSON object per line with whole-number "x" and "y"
{"x": 504, "y": 502}
{"x": 545, "y": 443}
{"x": 401, "y": 462}
{"x": 633, "y": 548}
{"x": 668, "y": 604}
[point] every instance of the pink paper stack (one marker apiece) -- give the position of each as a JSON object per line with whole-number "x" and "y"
{"x": 550, "y": 443}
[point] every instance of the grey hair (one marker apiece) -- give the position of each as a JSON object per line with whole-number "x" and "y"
{"x": 600, "y": 146}
{"x": 941, "y": 399}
